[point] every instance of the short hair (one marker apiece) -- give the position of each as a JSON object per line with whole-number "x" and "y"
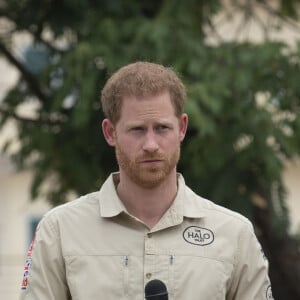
{"x": 141, "y": 79}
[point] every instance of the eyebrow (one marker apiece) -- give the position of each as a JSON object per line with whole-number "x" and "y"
{"x": 142, "y": 123}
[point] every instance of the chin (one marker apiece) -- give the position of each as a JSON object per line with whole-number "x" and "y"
{"x": 150, "y": 181}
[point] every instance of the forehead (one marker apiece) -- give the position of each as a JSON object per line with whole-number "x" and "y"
{"x": 150, "y": 107}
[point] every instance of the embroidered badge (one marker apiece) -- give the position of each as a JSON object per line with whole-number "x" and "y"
{"x": 27, "y": 266}
{"x": 25, "y": 280}
{"x": 198, "y": 236}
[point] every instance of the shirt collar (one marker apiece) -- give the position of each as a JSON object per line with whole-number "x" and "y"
{"x": 110, "y": 203}
{"x": 186, "y": 203}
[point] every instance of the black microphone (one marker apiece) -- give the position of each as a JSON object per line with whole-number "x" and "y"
{"x": 156, "y": 290}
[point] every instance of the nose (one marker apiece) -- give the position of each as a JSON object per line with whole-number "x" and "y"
{"x": 150, "y": 143}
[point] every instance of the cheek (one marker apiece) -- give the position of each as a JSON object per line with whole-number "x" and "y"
{"x": 170, "y": 142}
{"x": 128, "y": 145}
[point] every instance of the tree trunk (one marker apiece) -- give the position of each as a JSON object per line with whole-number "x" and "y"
{"x": 283, "y": 254}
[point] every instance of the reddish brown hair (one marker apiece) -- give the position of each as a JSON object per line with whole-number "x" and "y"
{"x": 141, "y": 79}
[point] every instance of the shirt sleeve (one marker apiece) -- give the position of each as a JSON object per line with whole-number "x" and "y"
{"x": 44, "y": 273}
{"x": 251, "y": 279}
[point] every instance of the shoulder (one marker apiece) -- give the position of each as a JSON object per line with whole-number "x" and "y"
{"x": 213, "y": 213}
{"x": 223, "y": 212}
{"x": 196, "y": 206}
{"x": 84, "y": 206}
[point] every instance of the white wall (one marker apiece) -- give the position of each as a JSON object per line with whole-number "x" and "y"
{"x": 16, "y": 208}
{"x": 16, "y": 212}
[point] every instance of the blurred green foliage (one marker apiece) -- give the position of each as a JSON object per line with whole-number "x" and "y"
{"x": 223, "y": 85}
{"x": 235, "y": 145}
{"x": 244, "y": 122}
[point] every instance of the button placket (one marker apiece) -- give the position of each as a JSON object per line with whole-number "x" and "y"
{"x": 149, "y": 257}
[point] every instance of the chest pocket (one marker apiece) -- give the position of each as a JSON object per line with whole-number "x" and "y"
{"x": 99, "y": 276}
{"x": 189, "y": 276}
{"x": 198, "y": 278}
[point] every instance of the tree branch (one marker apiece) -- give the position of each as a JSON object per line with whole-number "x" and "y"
{"x": 51, "y": 46}
{"x": 29, "y": 78}
{"x": 283, "y": 254}
{"x": 42, "y": 120}
{"x": 293, "y": 25}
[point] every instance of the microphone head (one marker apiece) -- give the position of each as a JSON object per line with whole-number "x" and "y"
{"x": 156, "y": 290}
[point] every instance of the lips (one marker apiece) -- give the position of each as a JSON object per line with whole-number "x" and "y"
{"x": 151, "y": 162}
{"x": 151, "y": 159}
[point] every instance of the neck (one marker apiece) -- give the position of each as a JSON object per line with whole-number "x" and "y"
{"x": 148, "y": 205}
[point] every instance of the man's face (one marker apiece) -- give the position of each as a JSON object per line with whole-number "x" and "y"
{"x": 147, "y": 139}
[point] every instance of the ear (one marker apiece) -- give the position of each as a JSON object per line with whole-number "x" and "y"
{"x": 183, "y": 123}
{"x": 108, "y": 130}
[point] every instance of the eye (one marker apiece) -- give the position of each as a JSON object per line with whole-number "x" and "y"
{"x": 137, "y": 128}
{"x": 162, "y": 127}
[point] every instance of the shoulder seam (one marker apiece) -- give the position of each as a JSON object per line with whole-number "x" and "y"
{"x": 226, "y": 211}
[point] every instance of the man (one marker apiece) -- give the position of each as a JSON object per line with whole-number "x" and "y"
{"x": 145, "y": 223}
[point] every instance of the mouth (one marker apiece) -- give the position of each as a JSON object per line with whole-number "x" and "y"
{"x": 152, "y": 161}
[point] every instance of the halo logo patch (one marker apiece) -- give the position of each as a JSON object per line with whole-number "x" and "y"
{"x": 198, "y": 236}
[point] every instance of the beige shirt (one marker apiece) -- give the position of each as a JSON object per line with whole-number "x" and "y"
{"x": 91, "y": 248}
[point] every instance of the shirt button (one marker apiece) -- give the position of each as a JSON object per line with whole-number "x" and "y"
{"x": 149, "y": 235}
{"x": 148, "y": 275}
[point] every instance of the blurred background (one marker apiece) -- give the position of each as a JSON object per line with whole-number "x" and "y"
{"x": 240, "y": 62}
